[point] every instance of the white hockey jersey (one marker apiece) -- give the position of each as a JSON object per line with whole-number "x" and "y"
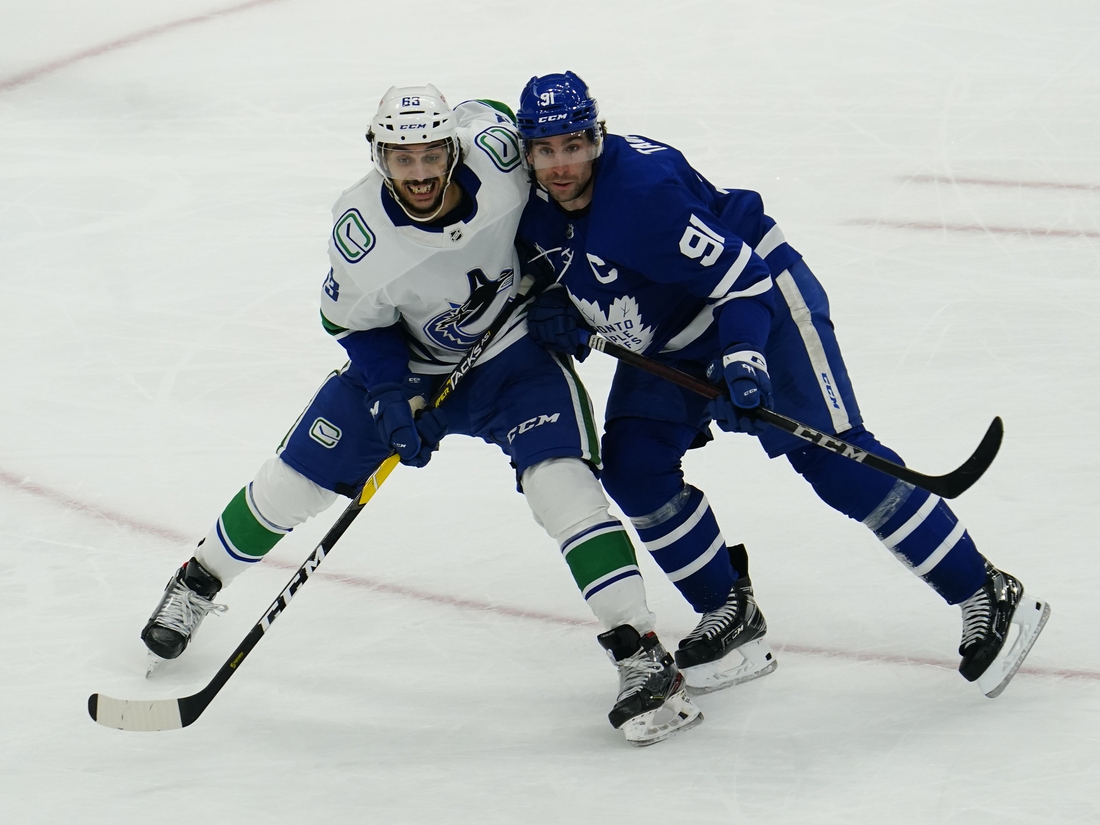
{"x": 445, "y": 286}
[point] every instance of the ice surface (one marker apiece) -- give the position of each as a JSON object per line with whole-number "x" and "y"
{"x": 166, "y": 174}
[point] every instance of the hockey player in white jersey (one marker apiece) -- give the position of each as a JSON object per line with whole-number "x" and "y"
{"x": 422, "y": 261}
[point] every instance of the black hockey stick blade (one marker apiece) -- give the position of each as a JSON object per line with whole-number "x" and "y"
{"x": 171, "y": 714}
{"x": 951, "y": 485}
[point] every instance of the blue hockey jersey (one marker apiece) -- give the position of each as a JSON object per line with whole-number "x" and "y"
{"x": 662, "y": 261}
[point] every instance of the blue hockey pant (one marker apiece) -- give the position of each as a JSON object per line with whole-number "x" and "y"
{"x": 525, "y": 400}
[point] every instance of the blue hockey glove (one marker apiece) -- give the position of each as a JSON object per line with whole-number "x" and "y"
{"x": 745, "y": 373}
{"x": 554, "y": 323}
{"x": 393, "y": 406}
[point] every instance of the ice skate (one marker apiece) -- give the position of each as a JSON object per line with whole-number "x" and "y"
{"x": 1000, "y": 624}
{"x": 185, "y": 603}
{"x": 727, "y": 647}
{"x": 651, "y": 705}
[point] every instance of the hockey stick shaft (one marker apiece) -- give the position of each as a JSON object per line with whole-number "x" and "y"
{"x": 949, "y": 485}
{"x": 167, "y": 714}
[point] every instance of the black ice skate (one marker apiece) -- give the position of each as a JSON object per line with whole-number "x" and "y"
{"x": 727, "y": 647}
{"x": 185, "y": 603}
{"x": 651, "y": 705}
{"x": 991, "y": 652}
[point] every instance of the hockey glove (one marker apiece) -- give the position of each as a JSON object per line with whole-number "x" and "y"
{"x": 554, "y": 323}
{"x": 393, "y": 407}
{"x": 745, "y": 373}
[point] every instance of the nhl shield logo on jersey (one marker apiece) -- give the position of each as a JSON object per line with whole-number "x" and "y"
{"x": 458, "y": 327}
{"x": 352, "y": 237}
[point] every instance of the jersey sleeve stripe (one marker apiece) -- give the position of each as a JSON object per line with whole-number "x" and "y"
{"x": 332, "y": 329}
{"x": 734, "y": 272}
{"x": 701, "y": 322}
{"x": 752, "y": 290}
{"x": 770, "y": 242}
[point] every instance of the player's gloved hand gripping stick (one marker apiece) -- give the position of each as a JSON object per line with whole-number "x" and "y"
{"x": 950, "y": 485}
{"x": 168, "y": 714}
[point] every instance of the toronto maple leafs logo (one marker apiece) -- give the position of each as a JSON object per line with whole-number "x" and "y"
{"x": 621, "y": 324}
{"x": 459, "y": 326}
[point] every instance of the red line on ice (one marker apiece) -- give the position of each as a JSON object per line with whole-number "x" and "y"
{"x": 940, "y": 226}
{"x": 21, "y": 79}
{"x": 23, "y": 485}
{"x": 1014, "y": 184}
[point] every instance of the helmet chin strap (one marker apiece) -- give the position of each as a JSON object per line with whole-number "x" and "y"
{"x": 442, "y": 198}
{"x": 418, "y": 218}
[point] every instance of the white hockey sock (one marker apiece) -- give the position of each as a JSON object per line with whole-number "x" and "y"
{"x": 568, "y": 502}
{"x": 276, "y": 501}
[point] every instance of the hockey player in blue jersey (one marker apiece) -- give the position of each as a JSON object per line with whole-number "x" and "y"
{"x": 655, "y": 258}
{"x": 422, "y": 259}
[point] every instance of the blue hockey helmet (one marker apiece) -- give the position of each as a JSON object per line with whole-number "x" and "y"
{"x": 556, "y": 104}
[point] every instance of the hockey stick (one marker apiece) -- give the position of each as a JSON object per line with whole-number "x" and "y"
{"x": 169, "y": 714}
{"x": 950, "y": 485}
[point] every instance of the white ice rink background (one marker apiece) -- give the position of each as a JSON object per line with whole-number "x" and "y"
{"x": 166, "y": 174}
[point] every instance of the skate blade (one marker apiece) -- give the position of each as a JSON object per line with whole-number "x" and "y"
{"x": 676, "y": 715}
{"x": 153, "y": 663}
{"x": 1028, "y": 619}
{"x": 742, "y": 664}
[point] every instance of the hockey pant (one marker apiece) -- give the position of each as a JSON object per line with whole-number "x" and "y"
{"x": 527, "y": 401}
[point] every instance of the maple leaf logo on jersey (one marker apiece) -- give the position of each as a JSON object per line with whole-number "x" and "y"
{"x": 621, "y": 324}
{"x": 458, "y": 327}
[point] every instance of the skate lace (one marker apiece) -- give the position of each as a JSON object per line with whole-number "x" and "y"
{"x": 977, "y": 614}
{"x": 185, "y": 608}
{"x": 714, "y": 622}
{"x": 635, "y": 672}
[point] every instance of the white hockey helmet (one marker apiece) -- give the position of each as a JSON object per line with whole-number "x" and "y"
{"x": 414, "y": 134}
{"x": 413, "y": 114}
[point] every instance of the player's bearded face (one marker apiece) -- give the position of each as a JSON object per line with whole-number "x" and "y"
{"x": 564, "y": 166}
{"x": 419, "y": 174}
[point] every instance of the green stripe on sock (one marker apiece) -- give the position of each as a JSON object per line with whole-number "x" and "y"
{"x": 593, "y": 559}
{"x": 246, "y": 534}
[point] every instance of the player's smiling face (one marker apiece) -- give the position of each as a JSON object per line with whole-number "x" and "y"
{"x": 419, "y": 175}
{"x": 564, "y": 166}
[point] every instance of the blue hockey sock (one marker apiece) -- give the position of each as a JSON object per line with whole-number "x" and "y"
{"x": 918, "y": 528}
{"x": 684, "y": 539}
{"x": 642, "y": 473}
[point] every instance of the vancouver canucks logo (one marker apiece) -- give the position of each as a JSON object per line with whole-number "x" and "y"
{"x": 621, "y": 324}
{"x": 502, "y": 147}
{"x": 458, "y": 327}
{"x": 352, "y": 237}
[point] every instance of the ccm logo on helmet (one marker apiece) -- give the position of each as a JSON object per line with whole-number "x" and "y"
{"x": 413, "y": 126}
{"x": 552, "y": 118}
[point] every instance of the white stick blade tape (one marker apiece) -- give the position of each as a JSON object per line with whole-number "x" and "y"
{"x": 129, "y": 714}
